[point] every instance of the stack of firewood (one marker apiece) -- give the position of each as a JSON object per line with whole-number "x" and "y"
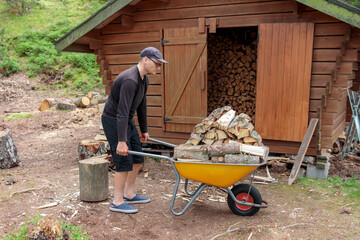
{"x": 223, "y": 137}
{"x": 232, "y": 73}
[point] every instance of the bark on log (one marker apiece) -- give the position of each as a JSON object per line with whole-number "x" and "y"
{"x": 48, "y": 103}
{"x": 191, "y": 152}
{"x": 195, "y": 138}
{"x": 235, "y": 148}
{"x": 8, "y": 151}
{"x": 65, "y": 106}
{"x": 82, "y": 102}
{"x": 241, "y": 159}
{"x": 201, "y": 128}
{"x": 215, "y": 115}
{"x": 91, "y": 148}
{"x": 94, "y": 182}
{"x": 224, "y": 121}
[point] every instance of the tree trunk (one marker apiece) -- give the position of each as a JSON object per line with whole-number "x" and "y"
{"x": 241, "y": 158}
{"x": 82, "y": 102}
{"x": 48, "y": 103}
{"x": 8, "y": 151}
{"x": 91, "y": 148}
{"x": 94, "y": 182}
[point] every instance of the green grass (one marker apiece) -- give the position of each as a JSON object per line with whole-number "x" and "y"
{"x": 349, "y": 188}
{"x": 26, "y": 43}
{"x": 18, "y": 116}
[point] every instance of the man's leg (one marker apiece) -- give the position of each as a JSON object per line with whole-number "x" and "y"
{"x": 129, "y": 191}
{"x": 119, "y": 187}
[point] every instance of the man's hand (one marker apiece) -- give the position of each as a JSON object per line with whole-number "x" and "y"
{"x": 144, "y": 136}
{"x": 122, "y": 149}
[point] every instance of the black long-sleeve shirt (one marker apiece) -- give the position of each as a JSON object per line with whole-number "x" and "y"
{"x": 128, "y": 93}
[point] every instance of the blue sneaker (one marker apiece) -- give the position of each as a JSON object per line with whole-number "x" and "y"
{"x": 123, "y": 208}
{"x": 138, "y": 199}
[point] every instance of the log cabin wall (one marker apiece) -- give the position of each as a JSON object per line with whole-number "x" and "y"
{"x": 335, "y": 54}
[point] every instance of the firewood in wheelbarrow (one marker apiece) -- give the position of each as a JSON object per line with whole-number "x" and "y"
{"x": 195, "y": 139}
{"x": 240, "y": 126}
{"x": 235, "y": 148}
{"x": 224, "y": 121}
{"x": 201, "y": 128}
{"x": 253, "y": 138}
{"x": 241, "y": 159}
{"x": 191, "y": 152}
{"x": 215, "y": 115}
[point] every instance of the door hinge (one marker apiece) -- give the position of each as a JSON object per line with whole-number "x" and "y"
{"x": 164, "y": 41}
{"x": 167, "y": 119}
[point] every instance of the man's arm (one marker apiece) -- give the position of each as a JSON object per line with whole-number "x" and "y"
{"x": 142, "y": 117}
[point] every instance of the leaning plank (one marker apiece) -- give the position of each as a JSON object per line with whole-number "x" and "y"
{"x": 302, "y": 150}
{"x": 191, "y": 152}
{"x": 94, "y": 183}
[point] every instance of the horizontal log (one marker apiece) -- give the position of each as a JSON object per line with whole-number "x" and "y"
{"x": 153, "y": 79}
{"x": 328, "y": 42}
{"x": 327, "y": 118}
{"x": 153, "y": 100}
{"x": 336, "y": 93}
{"x": 216, "y": 11}
{"x": 154, "y": 112}
{"x": 327, "y": 142}
{"x": 154, "y": 90}
{"x": 123, "y": 58}
{"x": 148, "y": 5}
{"x": 289, "y": 147}
{"x": 331, "y": 105}
{"x": 329, "y": 55}
{"x": 316, "y": 93}
{"x": 131, "y": 38}
{"x": 328, "y": 67}
{"x": 129, "y": 48}
{"x": 321, "y": 80}
{"x": 330, "y": 29}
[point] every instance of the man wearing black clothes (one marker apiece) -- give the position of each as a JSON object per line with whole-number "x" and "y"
{"x": 127, "y": 95}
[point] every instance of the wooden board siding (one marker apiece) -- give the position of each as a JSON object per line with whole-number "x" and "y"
{"x": 122, "y": 45}
{"x": 185, "y": 79}
{"x": 283, "y": 80}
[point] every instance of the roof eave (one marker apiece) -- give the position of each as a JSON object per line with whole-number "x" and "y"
{"x": 337, "y": 9}
{"x": 90, "y": 23}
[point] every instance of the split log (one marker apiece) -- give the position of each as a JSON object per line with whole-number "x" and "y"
{"x": 201, "y": 128}
{"x": 224, "y": 121}
{"x": 218, "y": 159}
{"x": 91, "y": 148}
{"x": 8, "y": 151}
{"x": 82, "y": 102}
{"x": 220, "y": 135}
{"x": 195, "y": 138}
{"x": 93, "y": 173}
{"x": 210, "y": 134}
{"x": 191, "y": 152}
{"x": 215, "y": 115}
{"x": 208, "y": 141}
{"x": 240, "y": 126}
{"x": 94, "y": 101}
{"x": 241, "y": 159}
{"x": 48, "y": 103}
{"x": 100, "y": 98}
{"x": 253, "y": 138}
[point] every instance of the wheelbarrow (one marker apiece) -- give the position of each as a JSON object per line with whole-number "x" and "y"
{"x": 243, "y": 199}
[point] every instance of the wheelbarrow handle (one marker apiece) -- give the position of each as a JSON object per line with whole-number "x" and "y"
{"x": 150, "y": 155}
{"x": 163, "y": 143}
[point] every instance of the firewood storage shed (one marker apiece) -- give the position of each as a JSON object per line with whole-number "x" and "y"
{"x": 285, "y": 63}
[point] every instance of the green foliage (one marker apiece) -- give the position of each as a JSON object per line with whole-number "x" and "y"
{"x": 21, "y": 6}
{"x": 18, "y": 116}
{"x": 336, "y": 185}
{"x": 28, "y": 44}
{"x": 21, "y": 233}
{"x": 355, "y": 3}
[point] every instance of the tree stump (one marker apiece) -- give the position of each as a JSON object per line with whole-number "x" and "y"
{"x": 91, "y": 148}
{"x": 94, "y": 184}
{"x": 8, "y": 151}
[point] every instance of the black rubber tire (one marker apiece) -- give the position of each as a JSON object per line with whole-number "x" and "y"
{"x": 244, "y": 188}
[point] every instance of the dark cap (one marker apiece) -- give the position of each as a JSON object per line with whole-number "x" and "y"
{"x": 152, "y": 52}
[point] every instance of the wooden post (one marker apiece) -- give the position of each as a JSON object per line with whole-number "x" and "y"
{"x": 94, "y": 184}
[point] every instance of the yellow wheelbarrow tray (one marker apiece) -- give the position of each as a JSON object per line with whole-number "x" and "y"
{"x": 243, "y": 199}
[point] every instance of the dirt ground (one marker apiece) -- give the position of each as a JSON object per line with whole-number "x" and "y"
{"x": 47, "y": 147}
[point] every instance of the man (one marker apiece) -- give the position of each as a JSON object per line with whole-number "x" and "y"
{"x": 127, "y": 95}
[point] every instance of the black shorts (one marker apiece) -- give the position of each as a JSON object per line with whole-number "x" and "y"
{"x": 122, "y": 163}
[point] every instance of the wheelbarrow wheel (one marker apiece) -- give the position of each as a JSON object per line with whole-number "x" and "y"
{"x": 241, "y": 193}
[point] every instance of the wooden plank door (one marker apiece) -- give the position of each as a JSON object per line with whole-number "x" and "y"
{"x": 283, "y": 80}
{"x": 185, "y": 84}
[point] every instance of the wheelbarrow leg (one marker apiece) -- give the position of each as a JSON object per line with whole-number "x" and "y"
{"x": 195, "y": 194}
{"x": 186, "y": 188}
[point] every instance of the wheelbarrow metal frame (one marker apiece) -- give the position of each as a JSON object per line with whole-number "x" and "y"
{"x": 202, "y": 186}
